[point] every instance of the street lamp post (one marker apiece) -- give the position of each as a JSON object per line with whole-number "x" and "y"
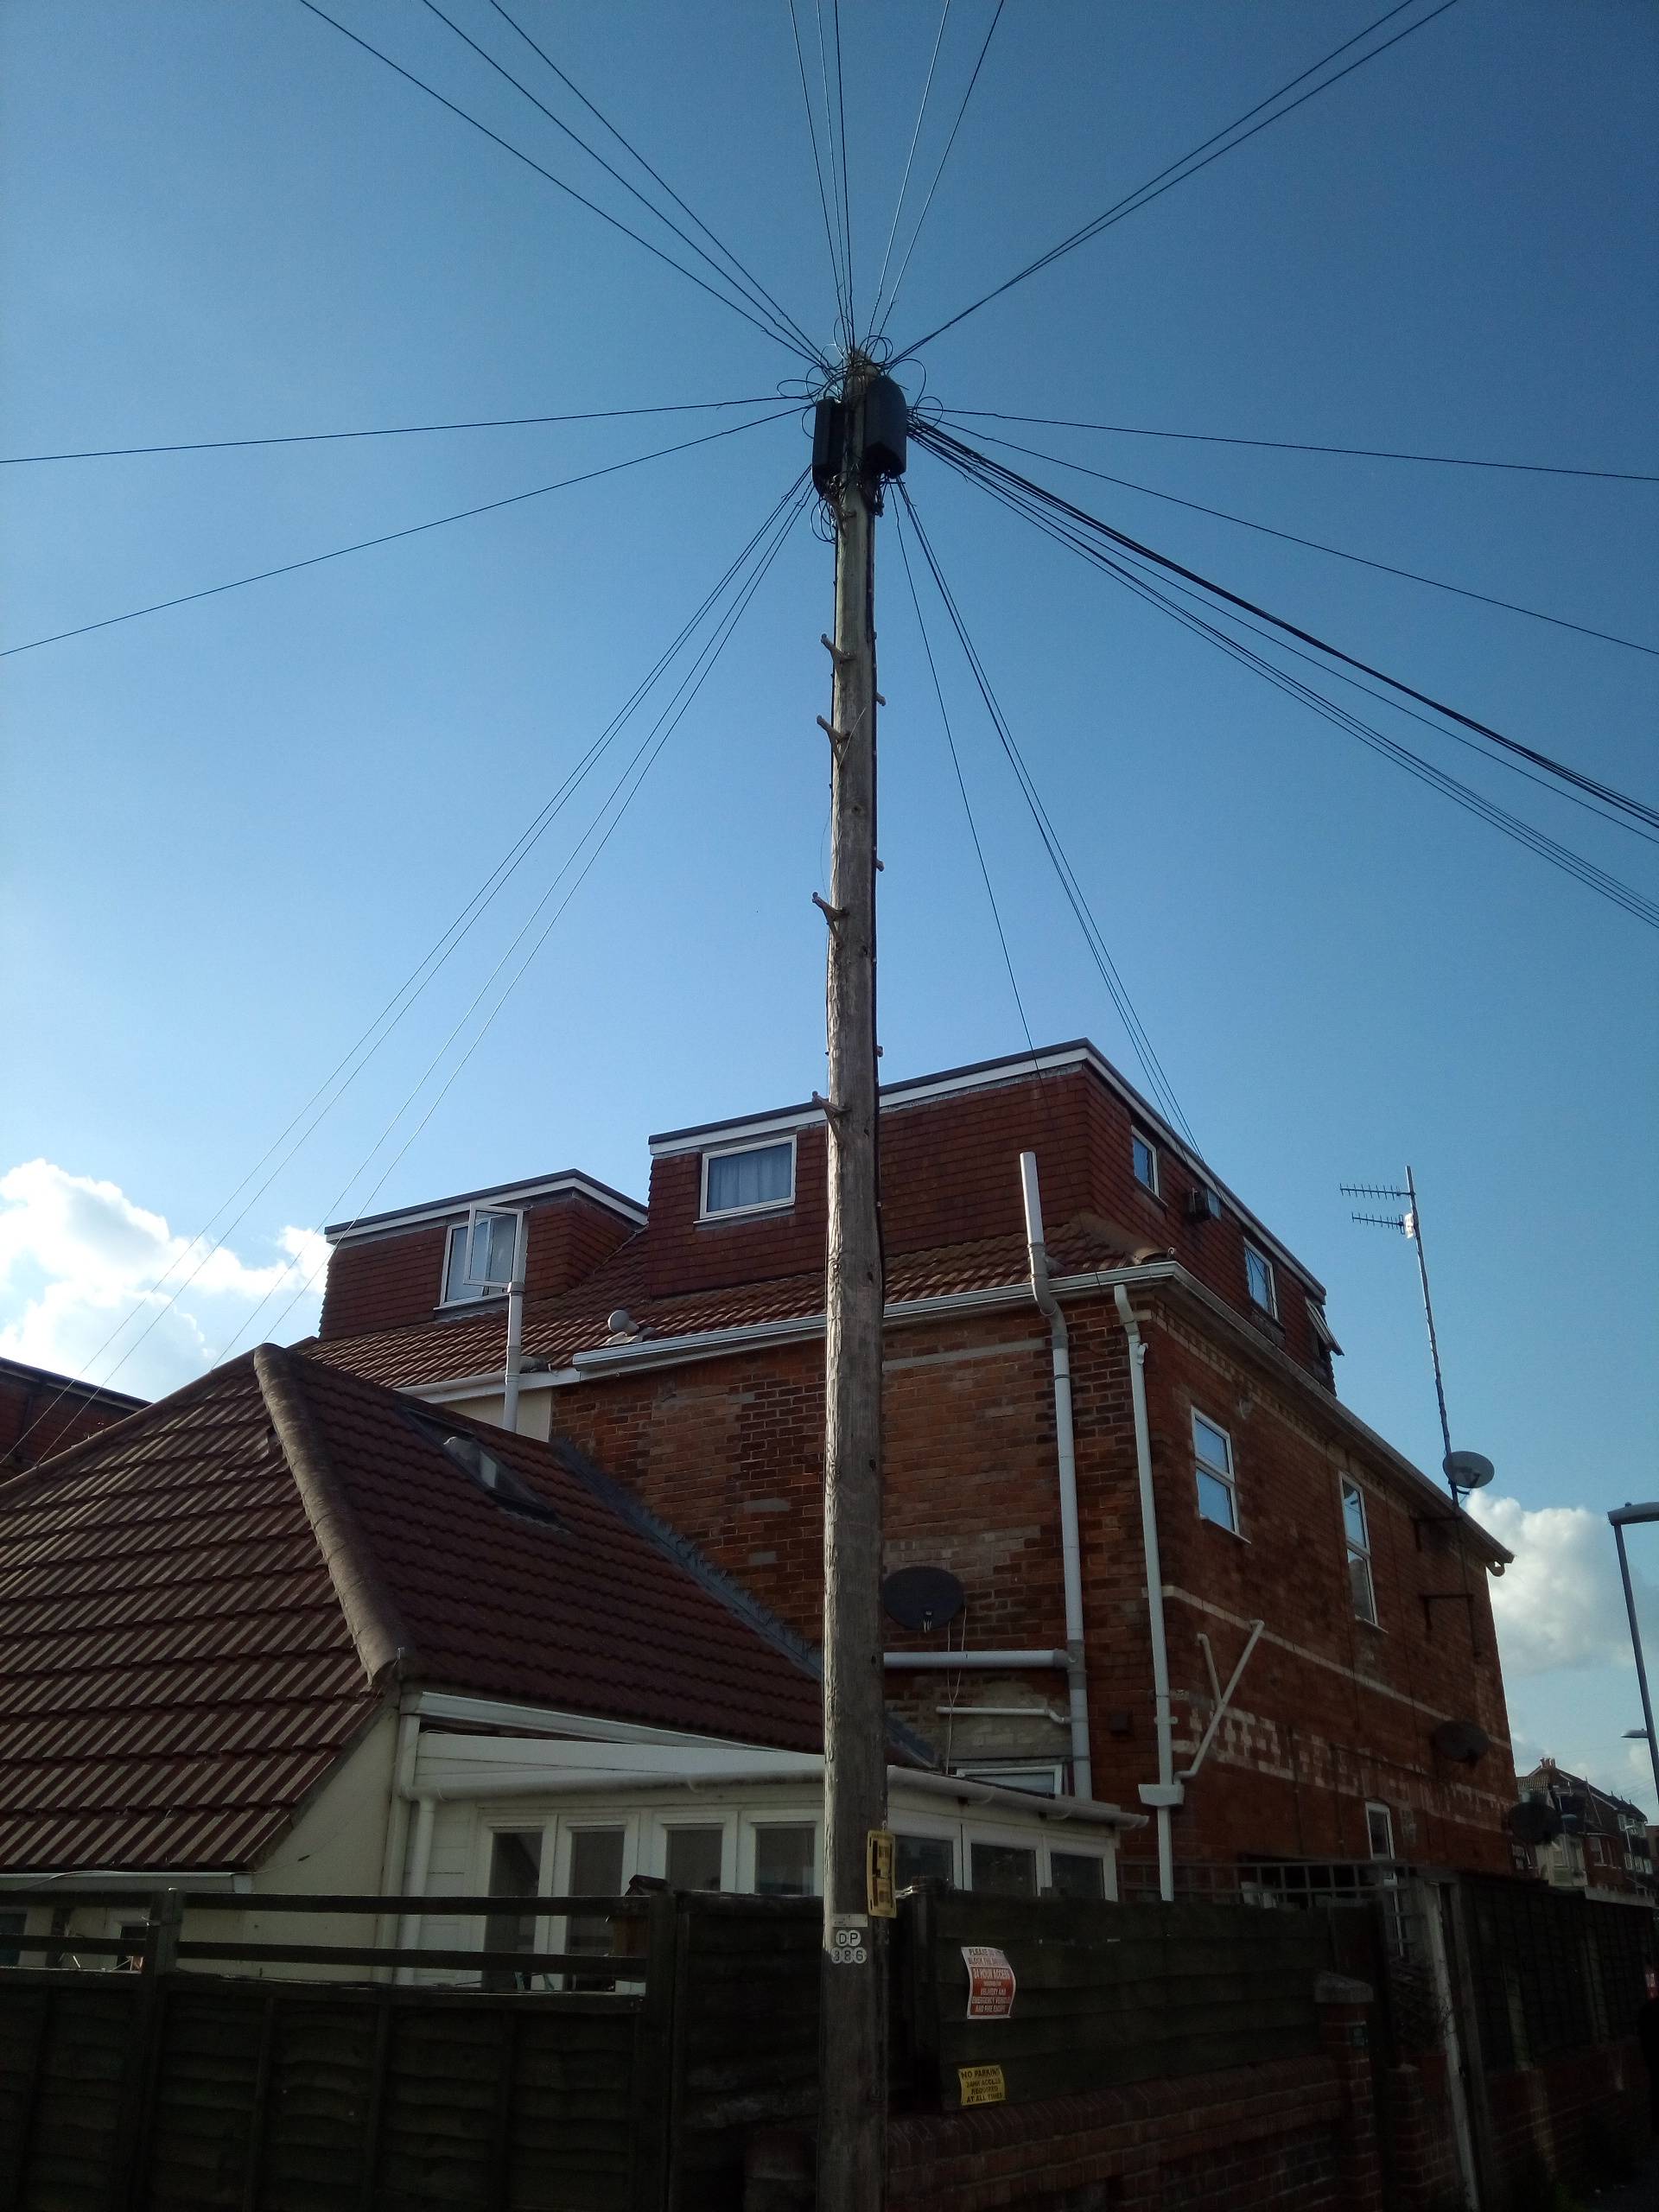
{"x": 1621, "y": 1519}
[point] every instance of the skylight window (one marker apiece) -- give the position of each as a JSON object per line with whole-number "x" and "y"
{"x": 489, "y": 1471}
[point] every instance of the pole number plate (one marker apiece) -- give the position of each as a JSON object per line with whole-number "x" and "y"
{"x": 849, "y": 1947}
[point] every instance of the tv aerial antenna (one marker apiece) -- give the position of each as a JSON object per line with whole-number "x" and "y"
{"x": 1464, "y": 1471}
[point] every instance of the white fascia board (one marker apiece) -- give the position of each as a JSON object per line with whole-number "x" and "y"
{"x": 542, "y": 1720}
{"x": 803, "y": 1771}
{"x": 995, "y": 1074}
{"x": 640, "y": 1353}
{"x": 123, "y": 1878}
{"x": 503, "y": 1197}
{"x": 480, "y": 1386}
{"x": 509, "y": 1755}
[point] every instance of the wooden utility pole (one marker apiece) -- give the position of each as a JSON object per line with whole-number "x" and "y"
{"x": 853, "y": 2060}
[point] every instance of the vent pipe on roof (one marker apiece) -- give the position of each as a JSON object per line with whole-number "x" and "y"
{"x": 1070, "y": 1543}
{"x": 515, "y": 1328}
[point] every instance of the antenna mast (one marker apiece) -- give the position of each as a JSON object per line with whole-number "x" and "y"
{"x": 1461, "y": 1468}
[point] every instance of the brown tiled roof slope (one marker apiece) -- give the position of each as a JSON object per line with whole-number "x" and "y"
{"x": 175, "y": 1672}
{"x": 201, "y": 1609}
{"x": 555, "y": 1328}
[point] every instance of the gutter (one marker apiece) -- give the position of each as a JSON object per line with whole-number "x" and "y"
{"x": 1167, "y": 1793}
{"x": 1065, "y": 1454}
{"x": 960, "y": 1789}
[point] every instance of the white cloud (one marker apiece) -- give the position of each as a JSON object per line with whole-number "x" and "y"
{"x": 80, "y": 1261}
{"x": 1559, "y": 1603}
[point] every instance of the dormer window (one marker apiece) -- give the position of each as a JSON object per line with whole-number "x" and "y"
{"x": 1144, "y": 1154}
{"x": 1258, "y": 1276}
{"x": 749, "y": 1178}
{"x": 478, "y": 1256}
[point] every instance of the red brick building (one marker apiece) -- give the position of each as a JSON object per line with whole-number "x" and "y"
{"x": 41, "y": 1412}
{"x": 681, "y": 1345}
{"x": 1604, "y": 1845}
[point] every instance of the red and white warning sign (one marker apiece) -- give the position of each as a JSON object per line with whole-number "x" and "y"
{"x": 991, "y": 1982}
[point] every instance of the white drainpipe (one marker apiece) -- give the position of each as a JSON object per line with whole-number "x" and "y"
{"x": 515, "y": 1330}
{"x": 1083, "y": 1772}
{"x": 1167, "y": 1792}
{"x": 420, "y": 1858}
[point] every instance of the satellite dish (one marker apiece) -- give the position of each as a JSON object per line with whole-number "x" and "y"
{"x": 1466, "y": 1741}
{"x": 1467, "y": 1470}
{"x": 922, "y": 1597}
{"x": 1530, "y": 1821}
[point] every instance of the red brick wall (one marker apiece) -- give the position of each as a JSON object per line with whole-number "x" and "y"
{"x": 949, "y": 1175}
{"x": 1329, "y": 1714}
{"x": 1331, "y": 1711}
{"x": 1580, "y": 2118}
{"x": 1254, "y": 2137}
{"x": 35, "y": 1422}
{"x": 388, "y": 1281}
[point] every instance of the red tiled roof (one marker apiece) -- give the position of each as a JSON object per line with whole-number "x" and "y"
{"x": 556, "y": 1328}
{"x": 201, "y": 1609}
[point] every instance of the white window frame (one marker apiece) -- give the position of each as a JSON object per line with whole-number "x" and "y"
{"x": 655, "y": 1849}
{"x": 1075, "y": 1848}
{"x": 1003, "y": 1839}
{"x": 1139, "y": 1137}
{"x": 749, "y": 1826}
{"x": 996, "y": 1773}
{"x": 1270, "y": 1305}
{"x": 486, "y": 1828}
{"x": 732, "y": 1151}
{"x": 1345, "y": 1483}
{"x": 1201, "y": 1466}
{"x": 475, "y": 1294}
{"x": 928, "y": 1828}
{"x": 1387, "y": 1813}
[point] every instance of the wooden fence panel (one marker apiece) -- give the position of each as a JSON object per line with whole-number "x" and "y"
{"x": 59, "y": 2111}
{"x": 1109, "y": 1993}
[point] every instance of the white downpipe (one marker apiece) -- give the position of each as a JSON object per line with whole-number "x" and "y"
{"x": 420, "y": 1858}
{"x": 402, "y": 1787}
{"x": 1168, "y": 1789}
{"x": 975, "y": 1662}
{"x": 515, "y": 1330}
{"x": 1082, "y": 1771}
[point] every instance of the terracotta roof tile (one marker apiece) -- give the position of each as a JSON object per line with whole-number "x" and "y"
{"x": 191, "y": 1608}
{"x": 557, "y": 1328}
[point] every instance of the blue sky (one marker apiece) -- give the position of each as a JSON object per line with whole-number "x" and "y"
{"x": 231, "y": 830}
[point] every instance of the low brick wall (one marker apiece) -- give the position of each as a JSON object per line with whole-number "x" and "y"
{"x": 1293, "y": 2135}
{"x": 1580, "y": 2118}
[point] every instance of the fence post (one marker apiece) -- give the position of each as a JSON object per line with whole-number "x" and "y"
{"x": 654, "y": 2059}
{"x": 1345, "y": 2031}
{"x": 159, "y": 1959}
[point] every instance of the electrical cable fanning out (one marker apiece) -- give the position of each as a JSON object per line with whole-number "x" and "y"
{"x": 1316, "y": 545}
{"x": 962, "y": 786}
{"x": 335, "y": 1085}
{"x": 660, "y": 182}
{"x": 938, "y": 173}
{"x": 638, "y": 767}
{"x": 392, "y": 430}
{"x": 1178, "y": 172}
{"x": 390, "y": 537}
{"x": 782, "y": 325}
{"x": 1136, "y": 574}
{"x": 824, "y": 189}
{"x": 1158, "y": 1082}
{"x": 581, "y": 198}
{"x": 910, "y": 163}
{"x": 970, "y": 461}
{"x": 1294, "y": 445}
